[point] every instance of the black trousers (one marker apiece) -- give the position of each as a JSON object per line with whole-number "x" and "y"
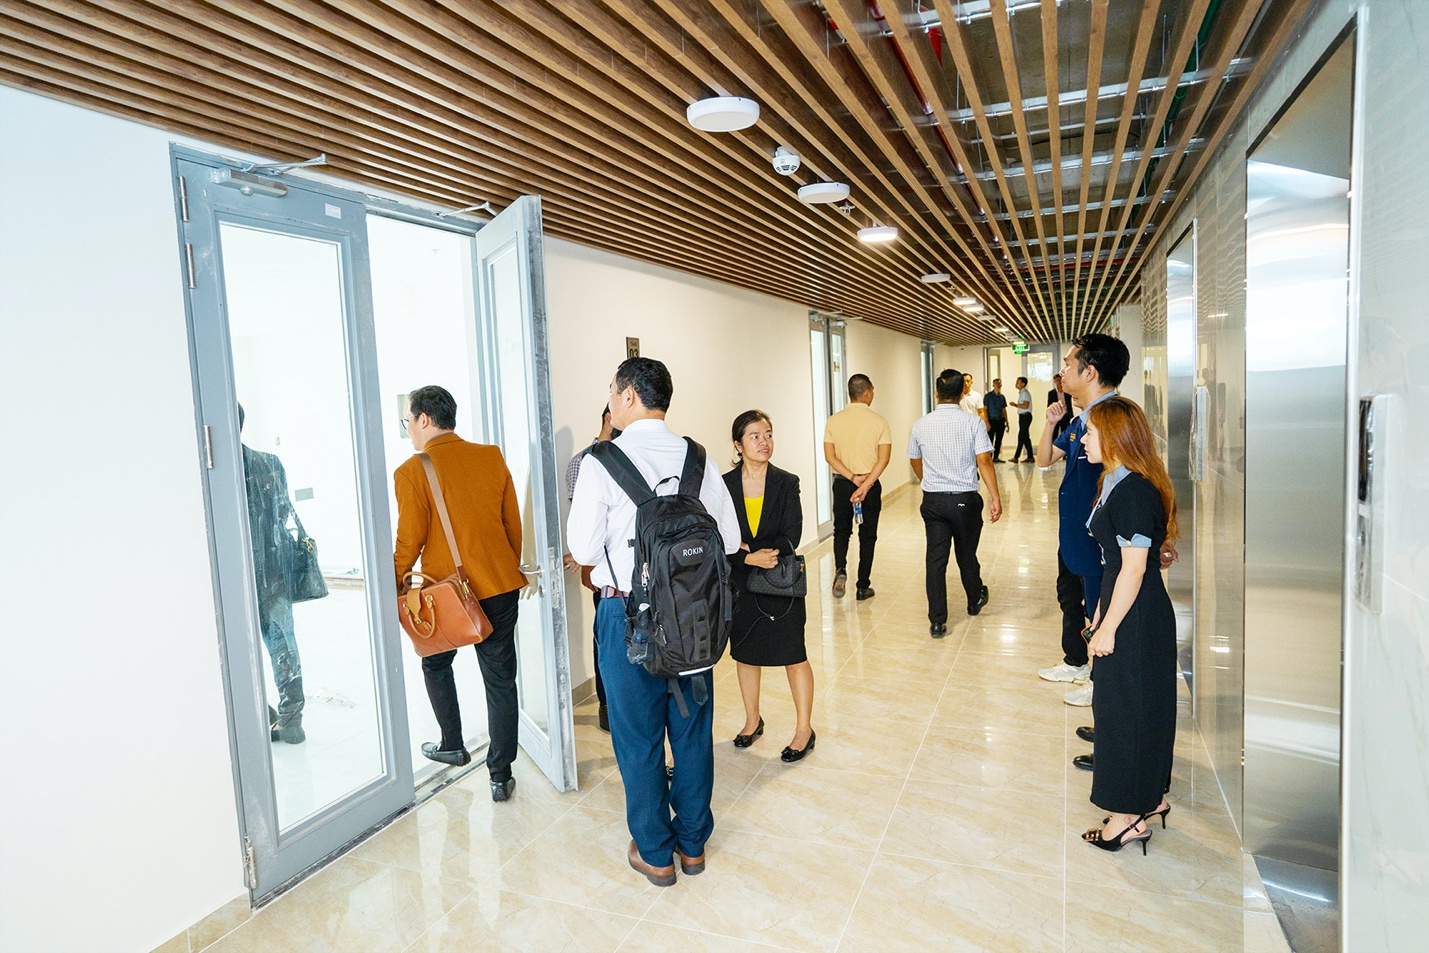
{"x": 951, "y": 519}
{"x": 867, "y": 530}
{"x": 1074, "y": 613}
{"x": 1024, "y": 437}
{"x": 996, "y": 427}
{"x": 497, "y": 655}
{"x": 595, "y": 653}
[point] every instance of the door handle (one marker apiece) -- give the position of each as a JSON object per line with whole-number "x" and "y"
{"x": 532, "y": 570}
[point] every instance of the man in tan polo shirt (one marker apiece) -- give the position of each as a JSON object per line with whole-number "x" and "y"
{"x": 486, "y": 521}
{"x": 858, "y": 446}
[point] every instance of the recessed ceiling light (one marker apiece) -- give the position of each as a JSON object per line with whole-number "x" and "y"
{"x": 821, "y": 192}
{"x": 877, "y": 233}
{"x": 935, "y": 277}
{"x": 722, "y": 113}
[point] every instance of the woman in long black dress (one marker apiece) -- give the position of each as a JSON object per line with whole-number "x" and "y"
{"x": 767, "y": 630}
{"x": 1134, "y": 629}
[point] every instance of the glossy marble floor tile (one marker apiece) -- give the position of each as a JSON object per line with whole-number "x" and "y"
{"x": 939, "y": 809}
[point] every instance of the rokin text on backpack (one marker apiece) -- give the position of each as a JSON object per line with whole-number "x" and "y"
{"x": 681, "y": 603}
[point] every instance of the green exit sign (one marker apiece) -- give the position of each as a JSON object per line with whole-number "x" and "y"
{"x": 1019, "y": 349}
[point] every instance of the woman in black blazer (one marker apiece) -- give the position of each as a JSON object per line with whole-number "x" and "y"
{"x": 767, "y": 630}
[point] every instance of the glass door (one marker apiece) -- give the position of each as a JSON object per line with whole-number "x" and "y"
{"x": 511, "y": 318}
{"x": 292, "y": 455}
{"x": 826, "y": 372}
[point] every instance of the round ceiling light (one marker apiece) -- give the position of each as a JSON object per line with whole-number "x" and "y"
{"x": 877, "y": 233}
{"x": 936, "y": 277}
{"x": 722, "y": 113}
{"x": 964, "y": 301}
{"x": 820, "y": 193}
{"x": 1000, "y": 328}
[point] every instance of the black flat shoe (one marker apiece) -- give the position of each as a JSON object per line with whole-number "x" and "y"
{"x": 975, "y": 607}
{"x": 864, "y": 593}
{"x": 1086, "y": 734}
{"x": 937, "y": 630}
{"x": 1083, "y": 761}
{"x": 744, "y": 741}
{"x": 501, "y": 790}
{"x": 790, "y": 755}
{"x": 458, "y": 756}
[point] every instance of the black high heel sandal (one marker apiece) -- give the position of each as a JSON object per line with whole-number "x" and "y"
{"x": 744, "y": 741}
{"x": 1094, "y": 837}
{"x": 1161, "y": 814}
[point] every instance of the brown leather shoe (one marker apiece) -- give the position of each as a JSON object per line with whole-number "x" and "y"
{"x": 691, "y": 865}
{"x": 659, "y": 876}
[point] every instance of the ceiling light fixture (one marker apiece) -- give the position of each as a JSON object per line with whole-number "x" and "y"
{"x": 935, "y": 277}
{"x": 722, "y": 113}
{"x": 877, "y": 233}
{"x": 973, "y": 308}
{"x": 820, "y": 193}
{"x": 964, "y": 301}
{"x": 1000, "y": 328}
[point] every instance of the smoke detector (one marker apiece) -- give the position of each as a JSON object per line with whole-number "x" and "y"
{"x": 786, "y": 161}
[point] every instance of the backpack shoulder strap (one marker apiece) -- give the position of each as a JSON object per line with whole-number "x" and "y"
{"x": 623, "y": 471}
{"x": 693, "y": 476}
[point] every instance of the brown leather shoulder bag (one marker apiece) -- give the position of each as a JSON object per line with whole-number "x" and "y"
{"x": 441, "y": 616}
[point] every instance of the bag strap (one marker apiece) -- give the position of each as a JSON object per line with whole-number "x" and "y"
{"x": 441, "y": 502}
{"x": 692, "y": 478}
{"x": 623, "y": 471}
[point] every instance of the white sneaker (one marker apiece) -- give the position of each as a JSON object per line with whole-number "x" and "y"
{"x": 1062, "y": 672}
{"x": 1079, "y": 697}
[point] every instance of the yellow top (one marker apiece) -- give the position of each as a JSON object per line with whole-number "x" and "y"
{"x": 754, "y": 508}
{"x": 856, "y": 433}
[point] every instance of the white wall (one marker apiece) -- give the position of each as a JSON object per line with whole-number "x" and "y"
{"x": 727, "y": 349}
{"x": 118, "y": 823}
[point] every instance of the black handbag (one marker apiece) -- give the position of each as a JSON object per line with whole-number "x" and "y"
{"x": 787, "y": 578}
{"x": 305, "y": 576}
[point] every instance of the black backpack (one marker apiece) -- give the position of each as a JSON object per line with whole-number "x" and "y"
{"x": 681, "y": 603}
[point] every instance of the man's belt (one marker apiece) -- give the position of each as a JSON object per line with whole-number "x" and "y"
{"x": 610, "y": 592}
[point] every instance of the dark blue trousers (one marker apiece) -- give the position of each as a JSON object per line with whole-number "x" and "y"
{"x": 642, "y": 712}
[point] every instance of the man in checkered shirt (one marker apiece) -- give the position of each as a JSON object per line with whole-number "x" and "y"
{"x": 949, "y": 448}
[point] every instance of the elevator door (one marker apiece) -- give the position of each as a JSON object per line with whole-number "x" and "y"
{"x": 1182, "y": 457}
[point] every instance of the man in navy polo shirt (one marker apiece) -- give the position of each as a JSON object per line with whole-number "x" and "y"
{"x": 1091, "y": 372}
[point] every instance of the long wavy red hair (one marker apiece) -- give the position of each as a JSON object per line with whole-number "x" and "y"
{"x": 1126, "y": 440}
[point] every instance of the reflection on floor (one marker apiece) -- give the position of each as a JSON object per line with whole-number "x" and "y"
{"x": 939, "y": 811}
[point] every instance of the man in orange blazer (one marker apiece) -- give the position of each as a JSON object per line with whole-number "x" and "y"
{"x": 486, "y": 521}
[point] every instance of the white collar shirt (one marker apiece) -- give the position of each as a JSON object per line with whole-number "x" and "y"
{"x": 971, "y": 402}
{"x": 948, "y": 441}
{"x": 602, "y": 517}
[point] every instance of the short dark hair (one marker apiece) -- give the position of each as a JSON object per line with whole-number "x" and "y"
{"x": 650, "y": 378}
{"x": 604, "y": 414}
{"x": 1106, "y": 353}
{"x": 241, "y": 415}
{"x": 858, "y": 385}
{"x": 437, "y": 403}
{"x": 742, "y": 422}
{"x": 1021, "y": 382}
{"x": 949, "y": 385}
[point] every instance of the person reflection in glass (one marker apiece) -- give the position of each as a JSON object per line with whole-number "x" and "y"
{"x": 269, "y": 511}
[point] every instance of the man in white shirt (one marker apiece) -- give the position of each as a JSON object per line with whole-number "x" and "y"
{"x": 948, "y": 449}
{"x": 1024, "y": 421}
{"x": 600, "y": 532}
{"x": 971, "y": 401}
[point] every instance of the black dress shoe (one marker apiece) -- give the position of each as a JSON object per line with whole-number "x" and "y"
{"x": 288, "y": 734}
{"x": 937, "y": 630}
{"x": 789, "y": 755}
{"x": 501, "y": 790}
{"x": 864, "y": 593}
{"x": 1085, "y": 733}
{"x": 458, "y": 756}
{"x": 602, "y": 719}
{"x": 975, "y": 607}
{"x": 1083, "y": 761}
{"x": 744, "y": 741}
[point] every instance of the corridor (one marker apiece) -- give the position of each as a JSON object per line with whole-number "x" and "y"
{"x": 940, "y": 809}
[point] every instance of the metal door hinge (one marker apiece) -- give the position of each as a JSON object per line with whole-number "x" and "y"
{"x": 208, "y": 446}
{"x": 189, "y": 261}
{"x": 183, "y": 200}
{"x": 250, "y": 864}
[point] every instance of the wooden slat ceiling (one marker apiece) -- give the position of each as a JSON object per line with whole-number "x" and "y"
{"x": 1032, "y": 149}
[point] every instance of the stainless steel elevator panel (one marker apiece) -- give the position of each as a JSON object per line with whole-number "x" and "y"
{"x": 1180, "y": 387}
{"x": 1297, "y": 250}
